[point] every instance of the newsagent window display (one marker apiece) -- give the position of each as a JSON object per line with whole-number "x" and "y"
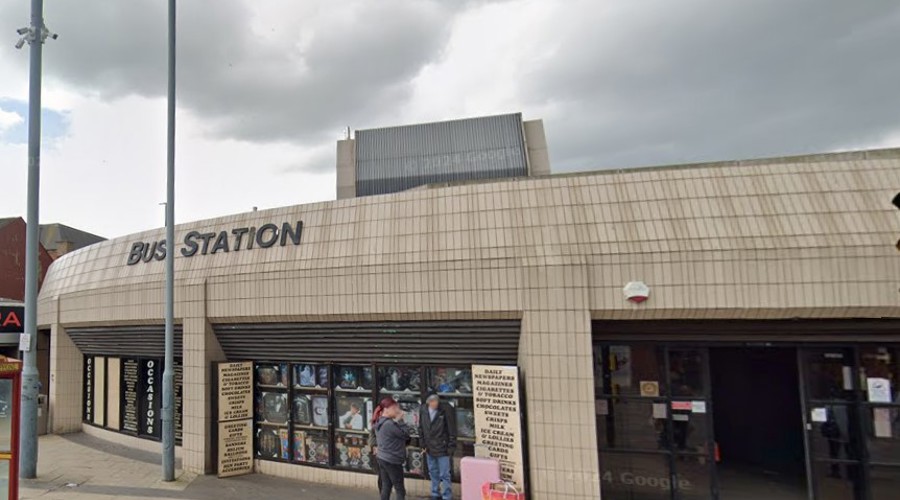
{"x": 320, "y": 414}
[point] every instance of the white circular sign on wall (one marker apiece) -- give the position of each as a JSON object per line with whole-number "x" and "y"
{"x": 636, "y": 291}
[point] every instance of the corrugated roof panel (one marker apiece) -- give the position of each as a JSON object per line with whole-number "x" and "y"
{"x": 398, "y": 158}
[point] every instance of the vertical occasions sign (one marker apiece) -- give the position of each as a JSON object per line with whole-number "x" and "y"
{"x": 498, "y": 419}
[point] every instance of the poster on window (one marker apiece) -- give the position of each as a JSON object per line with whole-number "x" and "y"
{"x": 498, "y": 420}
{"x": 130, "y": 394}
{"x": 620, "y": 365}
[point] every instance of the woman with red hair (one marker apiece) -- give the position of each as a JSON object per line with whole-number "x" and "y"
{"x": 391, "y": 437}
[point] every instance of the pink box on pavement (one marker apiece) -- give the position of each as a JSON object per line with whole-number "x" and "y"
{"x": 474, "y": 472}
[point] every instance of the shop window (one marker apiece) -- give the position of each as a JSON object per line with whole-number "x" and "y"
{"x": 321, "y": 414}
{"x": 621, "y": 369}
{"x": 633, "y": 425}
{"x": 125, "y": 395}
{"x": 272, "y": 411}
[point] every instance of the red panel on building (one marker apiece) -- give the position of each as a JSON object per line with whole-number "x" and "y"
{"x": 12, "y": 259}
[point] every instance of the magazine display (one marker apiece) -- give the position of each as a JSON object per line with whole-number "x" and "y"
{"x": 465, "y": 423}
{"x": 305, "y": 375}
{"x": 268, "y": 443}
{"x": 322, "y": 376}
{"x": 311, "y": 447}
{"x": 400, "y": 379}
{"x": 411, "y": 415}
{"x": 353, "y": 413}
{"x": 302, "y": 411}
{"x": 415, "y": 461}
{"x": 320, "y": 411}
{"x": 368, "y": 378}
{"x": 348, "y": 377}
{"x": 450, "y": 380}
{"x": 311, "y": 413}
{"x": 272, "y": 407}
{"x": 353, "y": 451}
{"x": 272, "y": 375}
{"x": 285, "y": 441}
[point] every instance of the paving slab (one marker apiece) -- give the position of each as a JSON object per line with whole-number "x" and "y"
{"x": 77, "y": 466}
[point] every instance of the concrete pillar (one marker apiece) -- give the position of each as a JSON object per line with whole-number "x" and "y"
{"x": 66, "y": 374}
{"x": 346, "y": 169}
{"x": 536, "y": 142}
{"x": 556, "y": 364}
{"x": 201, "y": 349}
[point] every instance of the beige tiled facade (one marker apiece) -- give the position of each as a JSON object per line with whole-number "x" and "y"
{"x": 809, "y": 237}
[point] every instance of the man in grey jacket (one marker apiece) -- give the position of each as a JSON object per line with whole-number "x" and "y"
{"x": 392, "y": 435}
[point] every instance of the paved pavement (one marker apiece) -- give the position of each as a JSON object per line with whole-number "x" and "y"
{"x": 77, "y": 466}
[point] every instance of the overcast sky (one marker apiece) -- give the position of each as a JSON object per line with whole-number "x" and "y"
{"x": 265, "y": 87}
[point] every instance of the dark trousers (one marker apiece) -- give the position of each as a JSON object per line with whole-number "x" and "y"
{"x": 391, "y": 476}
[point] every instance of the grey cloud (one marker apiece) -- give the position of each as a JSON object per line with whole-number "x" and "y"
{"x": 241, "y": 84}
{"x": 705, "y": 80}
{"x": 630, "y": 83}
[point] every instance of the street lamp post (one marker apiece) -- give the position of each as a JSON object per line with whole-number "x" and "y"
{"x": 168, "y": 389}
{"x": 34, "y": 35}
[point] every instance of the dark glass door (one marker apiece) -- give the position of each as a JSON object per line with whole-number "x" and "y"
{"x": 653, "y": 422}
{"x": 831, "y": 417}
{"x": 880, "y": 418}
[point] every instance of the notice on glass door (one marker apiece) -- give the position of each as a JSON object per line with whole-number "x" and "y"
{"x": 879, "y": 390}
{"x": 882, "y": 423}
{"x": 498, "y": 421}
{"x": 819, "y": 415}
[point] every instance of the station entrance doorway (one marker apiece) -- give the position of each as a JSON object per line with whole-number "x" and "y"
{"x": 758, "y": 423}
{"x": 741, "y": 420}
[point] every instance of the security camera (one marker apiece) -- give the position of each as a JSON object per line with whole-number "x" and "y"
{"x": 54, "y": 36}
{"x": 23, "y": 31}
{"x": 20, "y": 43}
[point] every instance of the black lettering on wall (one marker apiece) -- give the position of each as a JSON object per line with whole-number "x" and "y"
{"x": 251, "y": 239}
{"x": 221, "y": 243}
{"x": 137, "y": 251}
{"x": 196, "y": 242}
{"x": 206, "y": 237}
{"x": 179, "y": 402}
{"x": 262, "y": 240}
{"x": 161, "y": 251}
{"x": 149, "y": 251}
{"x": 89, "y": 389}
{"x": 239, "y": 235}
{"x": 190, "y": 244}
{"x": 288, "y": 232}
{"x": 151, "y": 373}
